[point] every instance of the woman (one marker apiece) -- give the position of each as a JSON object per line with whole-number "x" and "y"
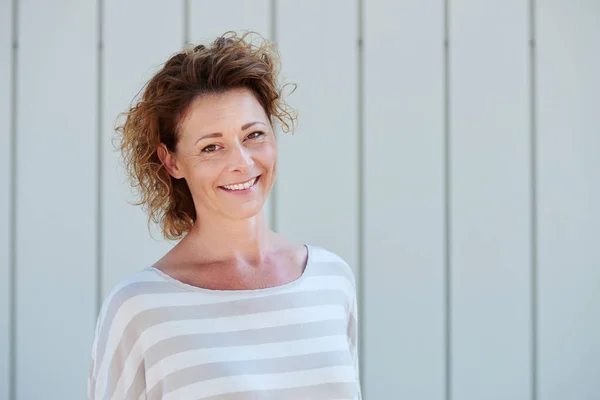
{"x": 234, "y": 310}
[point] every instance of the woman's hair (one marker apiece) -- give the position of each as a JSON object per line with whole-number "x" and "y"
{"x": 230, "y": 62}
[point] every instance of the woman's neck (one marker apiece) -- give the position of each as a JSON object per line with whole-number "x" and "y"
{"x": 247, "y": 241}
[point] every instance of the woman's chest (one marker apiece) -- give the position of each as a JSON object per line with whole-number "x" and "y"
{"x": 309, "y": 359}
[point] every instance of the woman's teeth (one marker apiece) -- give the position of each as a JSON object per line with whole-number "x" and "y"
{"x": 240, "y": 186}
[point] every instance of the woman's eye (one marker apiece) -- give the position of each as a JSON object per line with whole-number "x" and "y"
{"x": 210, "y": 148}
{"x": 254, "y": 135}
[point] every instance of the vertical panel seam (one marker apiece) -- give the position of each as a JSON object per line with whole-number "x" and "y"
{"x": 274, "y": 187}
{"x": 533, "y": 205}
{"x": 186, "y": 22}
{"x": 361, "y": 181}
{"x": 99, "y": 163}
{"x": 12, "y": 379}
{"x": 447, "y": 208}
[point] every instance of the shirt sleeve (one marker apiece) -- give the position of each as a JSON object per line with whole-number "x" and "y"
{"x": 114, "y": 369}
{"x": 353, "y": 340}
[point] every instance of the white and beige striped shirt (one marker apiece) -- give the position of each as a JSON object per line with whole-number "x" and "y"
{"x": 159, "y": 338}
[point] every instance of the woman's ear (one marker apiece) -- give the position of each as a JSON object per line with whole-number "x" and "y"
{"x": 169, "y": 161}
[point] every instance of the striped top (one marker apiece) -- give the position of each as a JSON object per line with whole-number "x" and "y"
{"x": 159, "y": 338}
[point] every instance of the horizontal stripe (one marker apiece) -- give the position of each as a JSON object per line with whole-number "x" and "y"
{"x": 325, "y": 256}
{"x": 121, "y": 368}
{"x": 285, "y": 301}
{"x": 246, "y": 337}
{"x": 327, "y": 269}
{"x": 250, "y": 369}
{"x": 176, "y": 362}
{"x": 286, "y": 380}
{"x": 329, "y": 391}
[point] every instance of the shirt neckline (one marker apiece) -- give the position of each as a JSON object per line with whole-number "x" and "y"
{"x": 284, "y": 286}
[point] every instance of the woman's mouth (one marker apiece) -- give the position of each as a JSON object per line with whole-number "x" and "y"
{"x": 241, "y": 187}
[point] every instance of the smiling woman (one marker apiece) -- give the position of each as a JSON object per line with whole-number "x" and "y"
{"x": 234, "y": 310}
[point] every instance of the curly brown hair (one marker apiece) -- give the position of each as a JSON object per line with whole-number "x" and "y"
{"x": 231, "y": 61}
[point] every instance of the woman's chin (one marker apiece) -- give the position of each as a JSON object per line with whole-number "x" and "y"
{"x": 245, "y": 211}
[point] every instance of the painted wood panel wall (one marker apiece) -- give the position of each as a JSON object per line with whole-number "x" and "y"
{"x": 404, "y": 208}
{"x": 56, "y": 191}
{"x": 6, "y": 173}
{"x": 490, "y": 200}
{"x": 567, "y": 96}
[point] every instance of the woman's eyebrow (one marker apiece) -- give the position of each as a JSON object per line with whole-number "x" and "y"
{"x": 219, "y": 134}
{"x": 249, "y": 124}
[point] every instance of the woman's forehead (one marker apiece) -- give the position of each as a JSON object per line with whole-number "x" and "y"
{"x": 228, "y": 111}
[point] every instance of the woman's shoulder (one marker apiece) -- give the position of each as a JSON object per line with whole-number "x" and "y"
{"x": 118, "y": 326}
{"x": 326, "y": 260}
{"x": 131, "y": 288}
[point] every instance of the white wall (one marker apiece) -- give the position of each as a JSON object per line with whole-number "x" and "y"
{"x": 568, "y": 162}
{"x": 56, "y": 199}
{"x": 5, "y": 193}
{"x": 403, "y": 268}
{"x": 449, "y": 151}
{"x": 490, "y": 200}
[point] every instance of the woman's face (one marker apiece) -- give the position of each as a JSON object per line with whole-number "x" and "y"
{"x": 227, "y": 154}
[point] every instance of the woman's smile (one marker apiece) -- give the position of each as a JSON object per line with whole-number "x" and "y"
{"x": 243, "y": 187}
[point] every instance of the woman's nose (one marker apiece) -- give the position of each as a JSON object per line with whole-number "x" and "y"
{"x": 240, "y": 159}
